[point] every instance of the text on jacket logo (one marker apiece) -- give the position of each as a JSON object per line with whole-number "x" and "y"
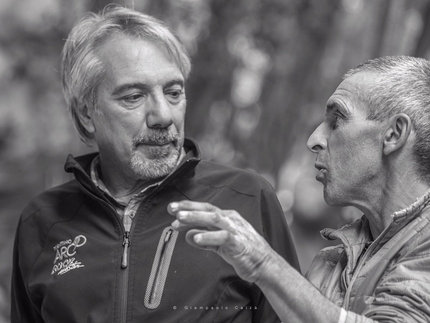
{"x": 64, "y": 252}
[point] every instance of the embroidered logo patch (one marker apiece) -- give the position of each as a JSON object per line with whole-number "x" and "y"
{"x": 64, "y": 255}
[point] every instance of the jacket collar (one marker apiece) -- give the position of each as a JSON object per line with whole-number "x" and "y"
{"x": 356, "y": 236}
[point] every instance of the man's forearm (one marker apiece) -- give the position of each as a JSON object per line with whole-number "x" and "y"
{"x": 293, "y": 298}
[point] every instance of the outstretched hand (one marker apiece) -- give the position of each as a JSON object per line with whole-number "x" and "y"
{"x": 224, "y": 232}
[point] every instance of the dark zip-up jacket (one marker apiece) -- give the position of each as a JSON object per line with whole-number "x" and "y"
{"x": 70, "y": 243}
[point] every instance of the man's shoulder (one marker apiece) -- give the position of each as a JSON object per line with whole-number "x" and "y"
{"x": 241, "y": 180}
{"x": 57, "y": 197}
{"x": 324, "y": 263}
{"x": 418, "y": 230}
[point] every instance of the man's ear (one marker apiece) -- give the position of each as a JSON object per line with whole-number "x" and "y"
{"x": 397, "y": 134}
{"x": 84, "y": 115}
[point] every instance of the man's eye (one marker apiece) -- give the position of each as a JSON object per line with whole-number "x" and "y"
{"x": 175, "y": 95}
{"x": 132, "y": 98}
{"x": 335, "y": 122}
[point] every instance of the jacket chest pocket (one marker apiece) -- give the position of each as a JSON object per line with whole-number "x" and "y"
{"x": 160, "y": 268}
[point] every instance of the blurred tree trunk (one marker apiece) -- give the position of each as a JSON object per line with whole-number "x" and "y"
{"x": 423, "y": 44}
{"x": 213, "y": 67}
{"x": 288, "y": 87}
{"x": 383, "y": 10}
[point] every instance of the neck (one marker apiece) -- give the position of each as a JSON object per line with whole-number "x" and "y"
{"x": 397, "y": 194}
{"x": 122, "y": 186}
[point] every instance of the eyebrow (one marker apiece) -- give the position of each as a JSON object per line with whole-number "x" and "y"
{"x": 144, "y": 86}
{"x": 128, "y": 86}
{"x": 174, "y": 82}
{"x": 334, "y": 106}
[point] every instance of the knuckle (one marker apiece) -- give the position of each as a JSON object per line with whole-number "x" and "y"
{"x": 232, "y": 214}
{"x": 216, "y": 217}
{"x": 209, "y": 207}
{"x": 227, "y": 237}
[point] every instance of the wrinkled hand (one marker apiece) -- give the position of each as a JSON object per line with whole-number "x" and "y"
{"x": 226, "y": 233}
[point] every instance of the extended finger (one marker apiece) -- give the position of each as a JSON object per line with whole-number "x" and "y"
{"x": 210, "y": 220}
{"x": 179, "y": 226}
{"x": 207, "y": 239}
{"x": 185, "y": 205}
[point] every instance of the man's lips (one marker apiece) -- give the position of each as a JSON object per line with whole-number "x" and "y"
{"x": 322, "y": 171}
{"x": 156, "y": 144}
{"x": 319, "y": 166}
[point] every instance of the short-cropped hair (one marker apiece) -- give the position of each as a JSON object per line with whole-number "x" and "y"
{"x": 81, "y": 68}
{"x": 402, "y": 85}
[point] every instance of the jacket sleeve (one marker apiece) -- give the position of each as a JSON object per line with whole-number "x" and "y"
{"x": 403, "y": 295}
{"x": 22, "y": 308}
{"x": 275, "y": 230}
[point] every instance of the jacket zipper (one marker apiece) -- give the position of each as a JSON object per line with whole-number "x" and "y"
{"x": 356, "y": 273}
{"x": 126, "y": 241}
{"x": 126, "y": 229}
{"x": 123, "y": 293}
{"x": 361, "y": 263}
{"x": 160, "y": 267}
{"x": 127, "y": 223}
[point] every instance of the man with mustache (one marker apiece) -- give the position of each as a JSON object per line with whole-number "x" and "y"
{"x": 101, "y": 248}
{"x": 372, "y": 153}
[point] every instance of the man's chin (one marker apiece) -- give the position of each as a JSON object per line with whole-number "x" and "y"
{"x": 334, "y": 200}
{"x": 154, "y": 152}
{"x": 328, "y": 197}
{"x": 153, "y": 168}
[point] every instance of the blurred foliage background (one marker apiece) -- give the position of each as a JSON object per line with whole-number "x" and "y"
{"x": 263, "y": 70}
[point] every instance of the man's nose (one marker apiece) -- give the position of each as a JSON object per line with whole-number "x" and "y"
{"x": 317, "y": 140}
{"x": 160, "y": 113}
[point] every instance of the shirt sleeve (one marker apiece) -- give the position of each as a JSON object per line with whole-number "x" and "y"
{"x": 351, "y": 317}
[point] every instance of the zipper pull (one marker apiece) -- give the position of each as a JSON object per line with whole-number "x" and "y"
{"x": 126, "y": 243}
{"x": 168, "y": 235}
